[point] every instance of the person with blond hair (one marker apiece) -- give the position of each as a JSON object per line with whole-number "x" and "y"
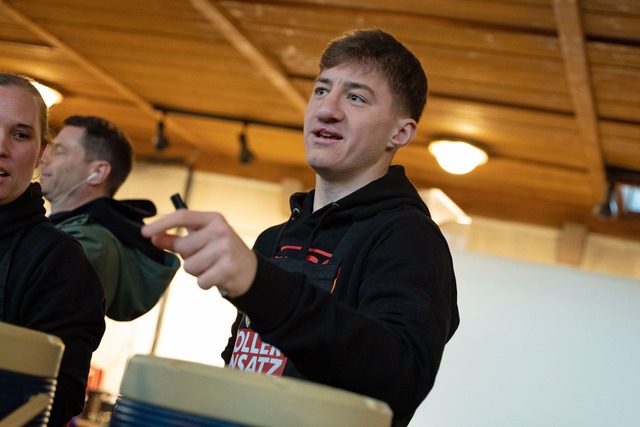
{"x": 46, "y": 281}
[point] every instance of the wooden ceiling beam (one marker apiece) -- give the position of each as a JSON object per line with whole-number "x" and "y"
{"x": 274, "y": 73}
{"x": 78, "y": 58}
{"x": 571, "y": 36}
{"x": 88, "y": 65}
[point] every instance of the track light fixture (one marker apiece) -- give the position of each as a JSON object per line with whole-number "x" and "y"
{"x": 608, "y": 207}
{"x": 246, "y": 156}
{"x": 159, "y": 140}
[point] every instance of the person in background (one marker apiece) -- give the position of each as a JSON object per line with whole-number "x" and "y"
{"x": 88, "y": 161}
{"x": 46, "y": 281}
{"x": 357, "y": 289}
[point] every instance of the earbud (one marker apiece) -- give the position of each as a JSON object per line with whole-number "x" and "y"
{"x": 75, "y": 187}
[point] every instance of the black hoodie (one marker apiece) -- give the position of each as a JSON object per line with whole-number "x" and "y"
{"x": 48, "y": 284}
{"x": 371, "y": 314}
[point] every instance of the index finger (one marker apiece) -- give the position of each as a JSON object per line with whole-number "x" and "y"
{"x": 177, "y": 219}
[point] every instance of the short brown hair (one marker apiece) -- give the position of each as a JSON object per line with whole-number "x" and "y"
{"x": 102, "y": 140}
{"x": 381, "y": 51}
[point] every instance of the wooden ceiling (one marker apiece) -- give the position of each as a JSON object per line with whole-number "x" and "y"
{"x": 550, "y": 88}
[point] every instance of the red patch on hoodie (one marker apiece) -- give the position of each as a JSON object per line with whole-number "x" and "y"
{"x": 252, "y": 354}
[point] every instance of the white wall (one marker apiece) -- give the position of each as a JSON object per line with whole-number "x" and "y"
{"x": 539, "y": 345}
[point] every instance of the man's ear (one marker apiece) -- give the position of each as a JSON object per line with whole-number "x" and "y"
{"x": 101, "y": 171}
{"x": 404, "y": 134}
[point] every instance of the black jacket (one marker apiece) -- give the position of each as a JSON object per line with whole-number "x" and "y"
{"x": 47, "y": 284}
{"x": 377, "y": 320}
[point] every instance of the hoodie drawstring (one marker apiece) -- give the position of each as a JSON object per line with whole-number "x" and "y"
{"x": 304, "y": 251}
{"x": 295, "y": 214}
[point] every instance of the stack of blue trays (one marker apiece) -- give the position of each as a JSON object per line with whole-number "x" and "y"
{"x": 130, "y": 413}
{"x": 161, "y": 392}
{"x": 29, "y": 364}
{"x": 16, "y": 389}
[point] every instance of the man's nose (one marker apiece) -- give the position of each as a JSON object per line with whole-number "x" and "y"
{"x": 3, "y": 142}
{"x": 330, "y": 108}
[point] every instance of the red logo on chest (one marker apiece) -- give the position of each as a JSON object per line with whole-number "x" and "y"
{"x": 252, "y": 354}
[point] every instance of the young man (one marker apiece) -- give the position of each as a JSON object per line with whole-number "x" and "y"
{"x": 86, "y": 164}
{"x": 46, "y": 282}
{"x": 357, "y": 289}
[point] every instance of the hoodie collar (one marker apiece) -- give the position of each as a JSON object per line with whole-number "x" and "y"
{"x": 26, "y": 210}
{"x": 123, "y": 218}
{"x": 390, "y": 190}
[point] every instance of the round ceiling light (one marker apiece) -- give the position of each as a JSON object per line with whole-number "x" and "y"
{"x": 50, "y": 95}
{"x": 457, "y": 157}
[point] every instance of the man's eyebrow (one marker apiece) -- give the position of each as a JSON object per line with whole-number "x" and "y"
{"x": 362, "y": 86}
{"x": 324, "y": 80}
{"x": 349, "y": 85}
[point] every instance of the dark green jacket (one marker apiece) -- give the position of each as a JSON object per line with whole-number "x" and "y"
{"x": 134, "y": 273}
